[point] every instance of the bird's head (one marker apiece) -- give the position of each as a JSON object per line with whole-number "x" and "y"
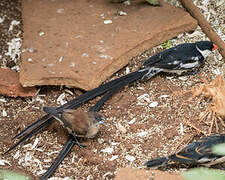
{"x": 96, "y": 119}
{"x": 99, "y": 117}
{"x": 206, "y": 47}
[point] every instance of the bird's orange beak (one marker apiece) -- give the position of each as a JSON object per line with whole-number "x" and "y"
{"x": 215, "y": 47}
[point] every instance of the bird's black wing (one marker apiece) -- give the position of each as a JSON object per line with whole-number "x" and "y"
{"x": 199, "y": 152}
{"x": 181, "y": 57}
{"x": 157, "y": 57}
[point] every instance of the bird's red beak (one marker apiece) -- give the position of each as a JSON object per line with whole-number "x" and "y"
{"x": 215, "y": 47}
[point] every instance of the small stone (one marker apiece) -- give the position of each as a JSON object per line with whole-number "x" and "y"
{"x": 41, "y": 34}
{"x": 121, "y": 13}
{"x": 121, "y": 128}
{"x": 4, "y": 113}
{"x": 3, "y": 100}
{"x": 132, "y": 121}
{"x": 108, "y": 150}
{"x": 13, "y": 23}
{"x": 108, "y": 22}
{"x": 2, "y": 20}
{"x": 60, "y": 10}
{"x": 183, "y": 78}
{"x": 100, "y": 140}
{"x": 61, "y": 99}
{"x": 127, "y": 3}
{"x": 113, "y": 158}
{"x": 144, "y": 97}
{"x": 29, "y": 60}
{"x": 3, "y": 162}
{"x": 16, "y": 155}
{"x": 153, "y": 104}
{"x": 164, "y": 96}
{"x": 35, "y": 143}
{"x": 60, "y": 59}
{"x": 142, "y": 134}
{"x": 130, "y": 158}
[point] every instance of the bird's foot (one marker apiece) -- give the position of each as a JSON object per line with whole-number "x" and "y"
{"x": 79, "y": 144}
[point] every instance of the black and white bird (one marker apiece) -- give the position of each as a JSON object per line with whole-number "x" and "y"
{"x": 182, "y": 58}
{"x": 196, "y": 153}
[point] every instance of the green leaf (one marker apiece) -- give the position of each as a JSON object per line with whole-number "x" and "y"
{"x": 203, "y": 174}
{"x": 154, "y": 2}
{"x": 166, "y": 45}
{"x": 11, "y": 175}
{"x": 219, "y": 149}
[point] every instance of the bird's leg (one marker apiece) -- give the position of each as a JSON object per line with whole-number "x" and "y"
{"x": 78, "y": 143}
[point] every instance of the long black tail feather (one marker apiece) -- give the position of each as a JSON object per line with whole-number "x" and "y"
{"x": 65, "y": 151}
{"x": 71, "y": 141}
{"x": 121, "y": 82}
{"x": 50, "y": 110}
{"x": 82, "y": 99}
{"x": 47, "y": 120}
{"x": 33, "y": 132}
{"x": 30, "y": 127}
{"x": 108, "y": 95}
{"x": 115, "y": 89}
{"x": 157, "y": 162}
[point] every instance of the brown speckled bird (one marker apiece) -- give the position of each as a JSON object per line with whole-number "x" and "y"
{"x": 78, "y": 122}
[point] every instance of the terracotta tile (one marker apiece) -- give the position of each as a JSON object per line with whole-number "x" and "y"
{"x": 10, "y": 86}
{"x": 71, "y": 45}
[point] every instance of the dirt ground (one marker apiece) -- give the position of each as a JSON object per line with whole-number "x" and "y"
{"x": 148, "y": 131}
